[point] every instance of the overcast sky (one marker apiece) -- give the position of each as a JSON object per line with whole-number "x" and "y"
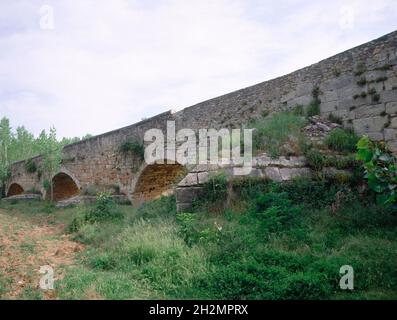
{"x": 91, "y": 66}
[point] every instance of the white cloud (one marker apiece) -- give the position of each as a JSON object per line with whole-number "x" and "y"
{"x": 108, "y": 64}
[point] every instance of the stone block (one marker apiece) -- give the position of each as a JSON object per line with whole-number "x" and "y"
{"x": 329, "y": 96}
{"x": 329, "y": 106}
{"x": 187, "y": 194}
{"x": 189, "y": 180}
{"x": 273, "y": 173}
{"x": 391, "y": 107}
{"x": 366, "y": 125}
{"x": 375, "y": 136}
{"x": 391, "y": 83}
{"x": 389, "y": 96}
{"x": 390, "y": 134}
{"x": 203, "y": 177}
{"x": 183, "y": 207}
{"x": 291, "y": 173}
{"x": 369, "y": 111}
{"x": 393, "y": 123}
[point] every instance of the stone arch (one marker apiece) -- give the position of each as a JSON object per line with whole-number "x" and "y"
{"x": 65, "y": 186}
{"x": 15, "y": 189}
{"x": 156, "y": 180}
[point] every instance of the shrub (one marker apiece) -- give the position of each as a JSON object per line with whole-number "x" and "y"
{"x": 343, "y": 140}
{"x": 134, "y": 147}
{"x": 315, "y": 159}
{"x": 335, "y": 119}
{"x": 104, "y": 209}
{"x": 187, "y": 227}
{"x": 30, "y": 166}
{"x": 313, "y": 109}
{"x": 380, "y": 169}
{"x": 362, "y": 82}
{"x": 360, "y": 69}
{"x": 298, "y": 110}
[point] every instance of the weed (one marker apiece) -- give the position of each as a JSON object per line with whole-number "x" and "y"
{"x": 344, "y": 140}
{"x": 134, "y": 147}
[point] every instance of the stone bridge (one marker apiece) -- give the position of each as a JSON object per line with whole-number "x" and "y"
{"x": 358, "y": 85}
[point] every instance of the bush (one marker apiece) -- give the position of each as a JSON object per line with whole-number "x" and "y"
{"x": 30, "y": 166}
{"x": 187, "y": 227}
{"x": 313, "y": 108}
{"x": 216, "y": 188}
{"x": 380, "y": 169}
{"x": 315, "y": 159}
{"x": 343, "y": 140}
{"x": 104, "y": 209}
{"x": 133, "y": 147}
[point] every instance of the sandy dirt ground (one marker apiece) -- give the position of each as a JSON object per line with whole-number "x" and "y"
{"x": 26, "y": 244}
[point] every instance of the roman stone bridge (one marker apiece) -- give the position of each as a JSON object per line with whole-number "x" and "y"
{"x": 358, "y": 85}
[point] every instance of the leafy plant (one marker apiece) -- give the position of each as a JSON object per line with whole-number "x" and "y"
{"x": 314, "y": 107}
{"x": 362, "y": 82}
{"x": 30, "y": 166}
{"x": 380, "y": 169}
{"x": 187, "y": 227}
{"x": 360, "y": 69}
{"x": 315, "y": 159}
{"x": 133, "y": 147}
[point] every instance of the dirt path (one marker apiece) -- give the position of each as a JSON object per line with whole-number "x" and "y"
{"x": 25, "y": 246}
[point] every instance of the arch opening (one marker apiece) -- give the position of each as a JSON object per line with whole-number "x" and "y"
{"x": 157, "y": 180}
{"x": 14, "y": 190}
{"x": 64, "y": 187}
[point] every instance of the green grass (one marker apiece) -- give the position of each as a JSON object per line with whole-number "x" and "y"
{"x": 275, "y": 130}
{"x": 342, "y": 140}
{"x": 273, "y": 241}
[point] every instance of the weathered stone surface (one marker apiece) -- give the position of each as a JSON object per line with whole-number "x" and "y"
{"x": 375, "y": 136}
{"x": 189, "y": 180}
{"x": 203, "y": 177}
{"x": 329, "y": 106}
{"x": 23, "y": 197}
{"x": 393, "y": 123}
{"x": 183, "y": 207}
{"x": 98, "y": 162}
{"x": 291, "y": 173}
{"x": 389, "y": 96}
{"x": 187, "y": 195}
{"x": 273, "y": 173}
{"x": 369, "y": 111}
{"x": 391, "y": 107}
{"x": 390, "y": 134}
{"x": 366, "y": 125}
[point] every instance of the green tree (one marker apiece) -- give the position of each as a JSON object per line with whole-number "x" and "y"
{"x": 51, "y": 151}
{"x": 5, "y": 160}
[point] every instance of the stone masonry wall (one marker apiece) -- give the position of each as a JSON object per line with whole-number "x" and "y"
{"x": 97, "y": 162}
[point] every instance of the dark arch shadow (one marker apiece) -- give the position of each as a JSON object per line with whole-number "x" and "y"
{"x": 14, "y": 190}
{"x": 157, "y": 180}
{"x": 64, "y": 187}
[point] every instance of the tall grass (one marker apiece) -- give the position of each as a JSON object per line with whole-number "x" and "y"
{"x": 273, "y": 131}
